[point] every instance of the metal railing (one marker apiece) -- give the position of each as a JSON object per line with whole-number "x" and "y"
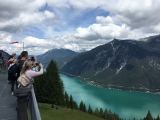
{"x": 33, "y": 106}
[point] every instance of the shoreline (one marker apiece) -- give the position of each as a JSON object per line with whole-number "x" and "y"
{"x": 116, "y": 87}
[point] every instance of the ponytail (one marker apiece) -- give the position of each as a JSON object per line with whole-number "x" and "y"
{"x": 27, "y": 64}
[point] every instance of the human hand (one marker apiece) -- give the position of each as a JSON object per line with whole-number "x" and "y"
{"x": 35, "y": 59}
{"x": 40, "y": 64}
{"x": 34, "y": 64}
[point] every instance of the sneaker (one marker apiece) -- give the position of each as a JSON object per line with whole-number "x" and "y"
{"x": 9, "y": 82}
{"x": 12, "y": 93}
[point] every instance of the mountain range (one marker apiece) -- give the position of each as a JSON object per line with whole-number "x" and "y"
{"x": 61, "y": 56}
{"x": 5, "y": 55}
{"x": 121, "y": 64}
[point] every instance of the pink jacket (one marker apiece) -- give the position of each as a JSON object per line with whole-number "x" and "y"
{"x": 30, "y": 73}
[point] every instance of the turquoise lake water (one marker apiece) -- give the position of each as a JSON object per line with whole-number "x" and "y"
{"x": 125, "y": 103}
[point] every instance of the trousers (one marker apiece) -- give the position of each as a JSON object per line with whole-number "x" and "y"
{"x": 13, "y": 84}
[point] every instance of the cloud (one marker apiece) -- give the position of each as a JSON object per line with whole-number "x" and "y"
{"x": 100, "y": 31}
{"x": 16, "y": 24}
{"x": 76, "y": 25}
{"x": 14, "y": 16}
{"x": 136, "y": 14}
{"x": 104, "y": 20}
{"x": 5, "y": 38}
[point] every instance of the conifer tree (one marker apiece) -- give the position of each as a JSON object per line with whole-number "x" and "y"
{"x": 81, "y": 106}
{"x": 101, "y": 113}
{"x": 75, "y": 105}
{"x": 52, "y": 86}
{"x": 67, "y": 100}
{"x": 90, "y": 110}
{"x": 96, "y": 112}
{"x": 71, "y": 102}
{"x": 84, "y": 107}
{"x": 158, "y": 118}
{"x": 149, "y": 116}
{"x": 39, "y": 89}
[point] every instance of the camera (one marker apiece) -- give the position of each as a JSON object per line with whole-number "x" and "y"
{"x": 37, "y": 67}
{"x": 37, "y": 64}
{"x": 32, "y": 58}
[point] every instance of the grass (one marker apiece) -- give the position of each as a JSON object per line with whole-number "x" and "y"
{"x": 63, "y": 113}
{"x": 29, "y": 115}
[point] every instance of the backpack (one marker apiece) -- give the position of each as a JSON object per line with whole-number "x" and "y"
{"x": 23, "y": 80}
{"x": 13, "y": 70}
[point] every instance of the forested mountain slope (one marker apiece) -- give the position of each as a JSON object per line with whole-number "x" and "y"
{"x": 124, "y": 64}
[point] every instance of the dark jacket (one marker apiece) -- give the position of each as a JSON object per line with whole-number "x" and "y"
{"x": 20, "y": 62}
{"x": 10, "y": 57}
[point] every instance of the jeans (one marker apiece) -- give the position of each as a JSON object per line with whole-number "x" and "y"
{"x": 13, "y": 83}
{"x": 9, "y": 78}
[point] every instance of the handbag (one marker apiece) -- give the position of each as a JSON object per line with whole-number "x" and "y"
{"x": 23, "y": 80}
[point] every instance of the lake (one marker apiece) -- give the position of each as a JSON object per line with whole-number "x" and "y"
{"x": 125, "y": 103}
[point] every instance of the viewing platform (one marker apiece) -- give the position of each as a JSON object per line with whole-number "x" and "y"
{"x": 7, "y": 101}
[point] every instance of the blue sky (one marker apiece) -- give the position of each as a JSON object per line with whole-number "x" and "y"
{"x": 76, "y": 25}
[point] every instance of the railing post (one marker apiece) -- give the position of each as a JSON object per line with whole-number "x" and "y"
{"x": 35, "y": 114}
{"x": 22, "y": 95}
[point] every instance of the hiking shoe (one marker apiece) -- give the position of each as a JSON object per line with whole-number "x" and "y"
{"x": 9, "y": 82}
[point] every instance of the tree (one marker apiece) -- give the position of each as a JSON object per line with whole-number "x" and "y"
{"x": 101, "y": 113}
{"x": 75, "y": 105}
{"x": 67, "y": 100}
{"x": 90, "y": 110}
{"x": 96, "y": 112}
{"x": 81, "y": 106}
{"x": 39, "y": 88}
{"x": 108, "y": 115}
{"x": 84, "y": 107}
{"x": 158, "y": 118}
{"x": 49, "y": 87}
{"x": 149, "y": 116}
{"x": 71, "y": 102}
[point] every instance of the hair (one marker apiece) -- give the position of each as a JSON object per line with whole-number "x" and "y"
{"x": 13, "y": 53}
{"x": 11, "y": 59}
{"x": 24, "y": 53}
{"x": 15, "y": 60}
{"x": 27, "y": 64}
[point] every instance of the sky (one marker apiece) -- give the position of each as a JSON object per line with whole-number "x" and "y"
{"x": 78, "y": 25}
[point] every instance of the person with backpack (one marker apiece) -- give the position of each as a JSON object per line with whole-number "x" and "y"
{"x": 24, "y": 57}
{"x": 9, "y": 63}
{"x": 12, "y": 56}
{"x": 12, "y": 72}
{"x": 27, "y": 74}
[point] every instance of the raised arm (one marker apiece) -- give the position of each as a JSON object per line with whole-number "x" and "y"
{"x": 32, "y": 74}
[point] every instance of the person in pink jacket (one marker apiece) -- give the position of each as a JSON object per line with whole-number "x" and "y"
{"x": 27, "y": 69}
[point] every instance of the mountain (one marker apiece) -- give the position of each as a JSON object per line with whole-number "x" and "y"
{"x": 120, "y": 64}
{"x": 5, "y": 55}
{"x": 61, "y": 56}
{"x": 3, "y": 66}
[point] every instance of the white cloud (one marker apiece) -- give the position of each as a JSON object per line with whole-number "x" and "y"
{"x": 100, "y": 31}
{"x": 48, "y": 14}
{"x": 25, "y": 19}
{"x": 104, "y": 20}
{"x": 5, "y": 38}
{"x": 72, "y": 46}
{"x": 15, "y": 15}
{"x": 127, "y": 19}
